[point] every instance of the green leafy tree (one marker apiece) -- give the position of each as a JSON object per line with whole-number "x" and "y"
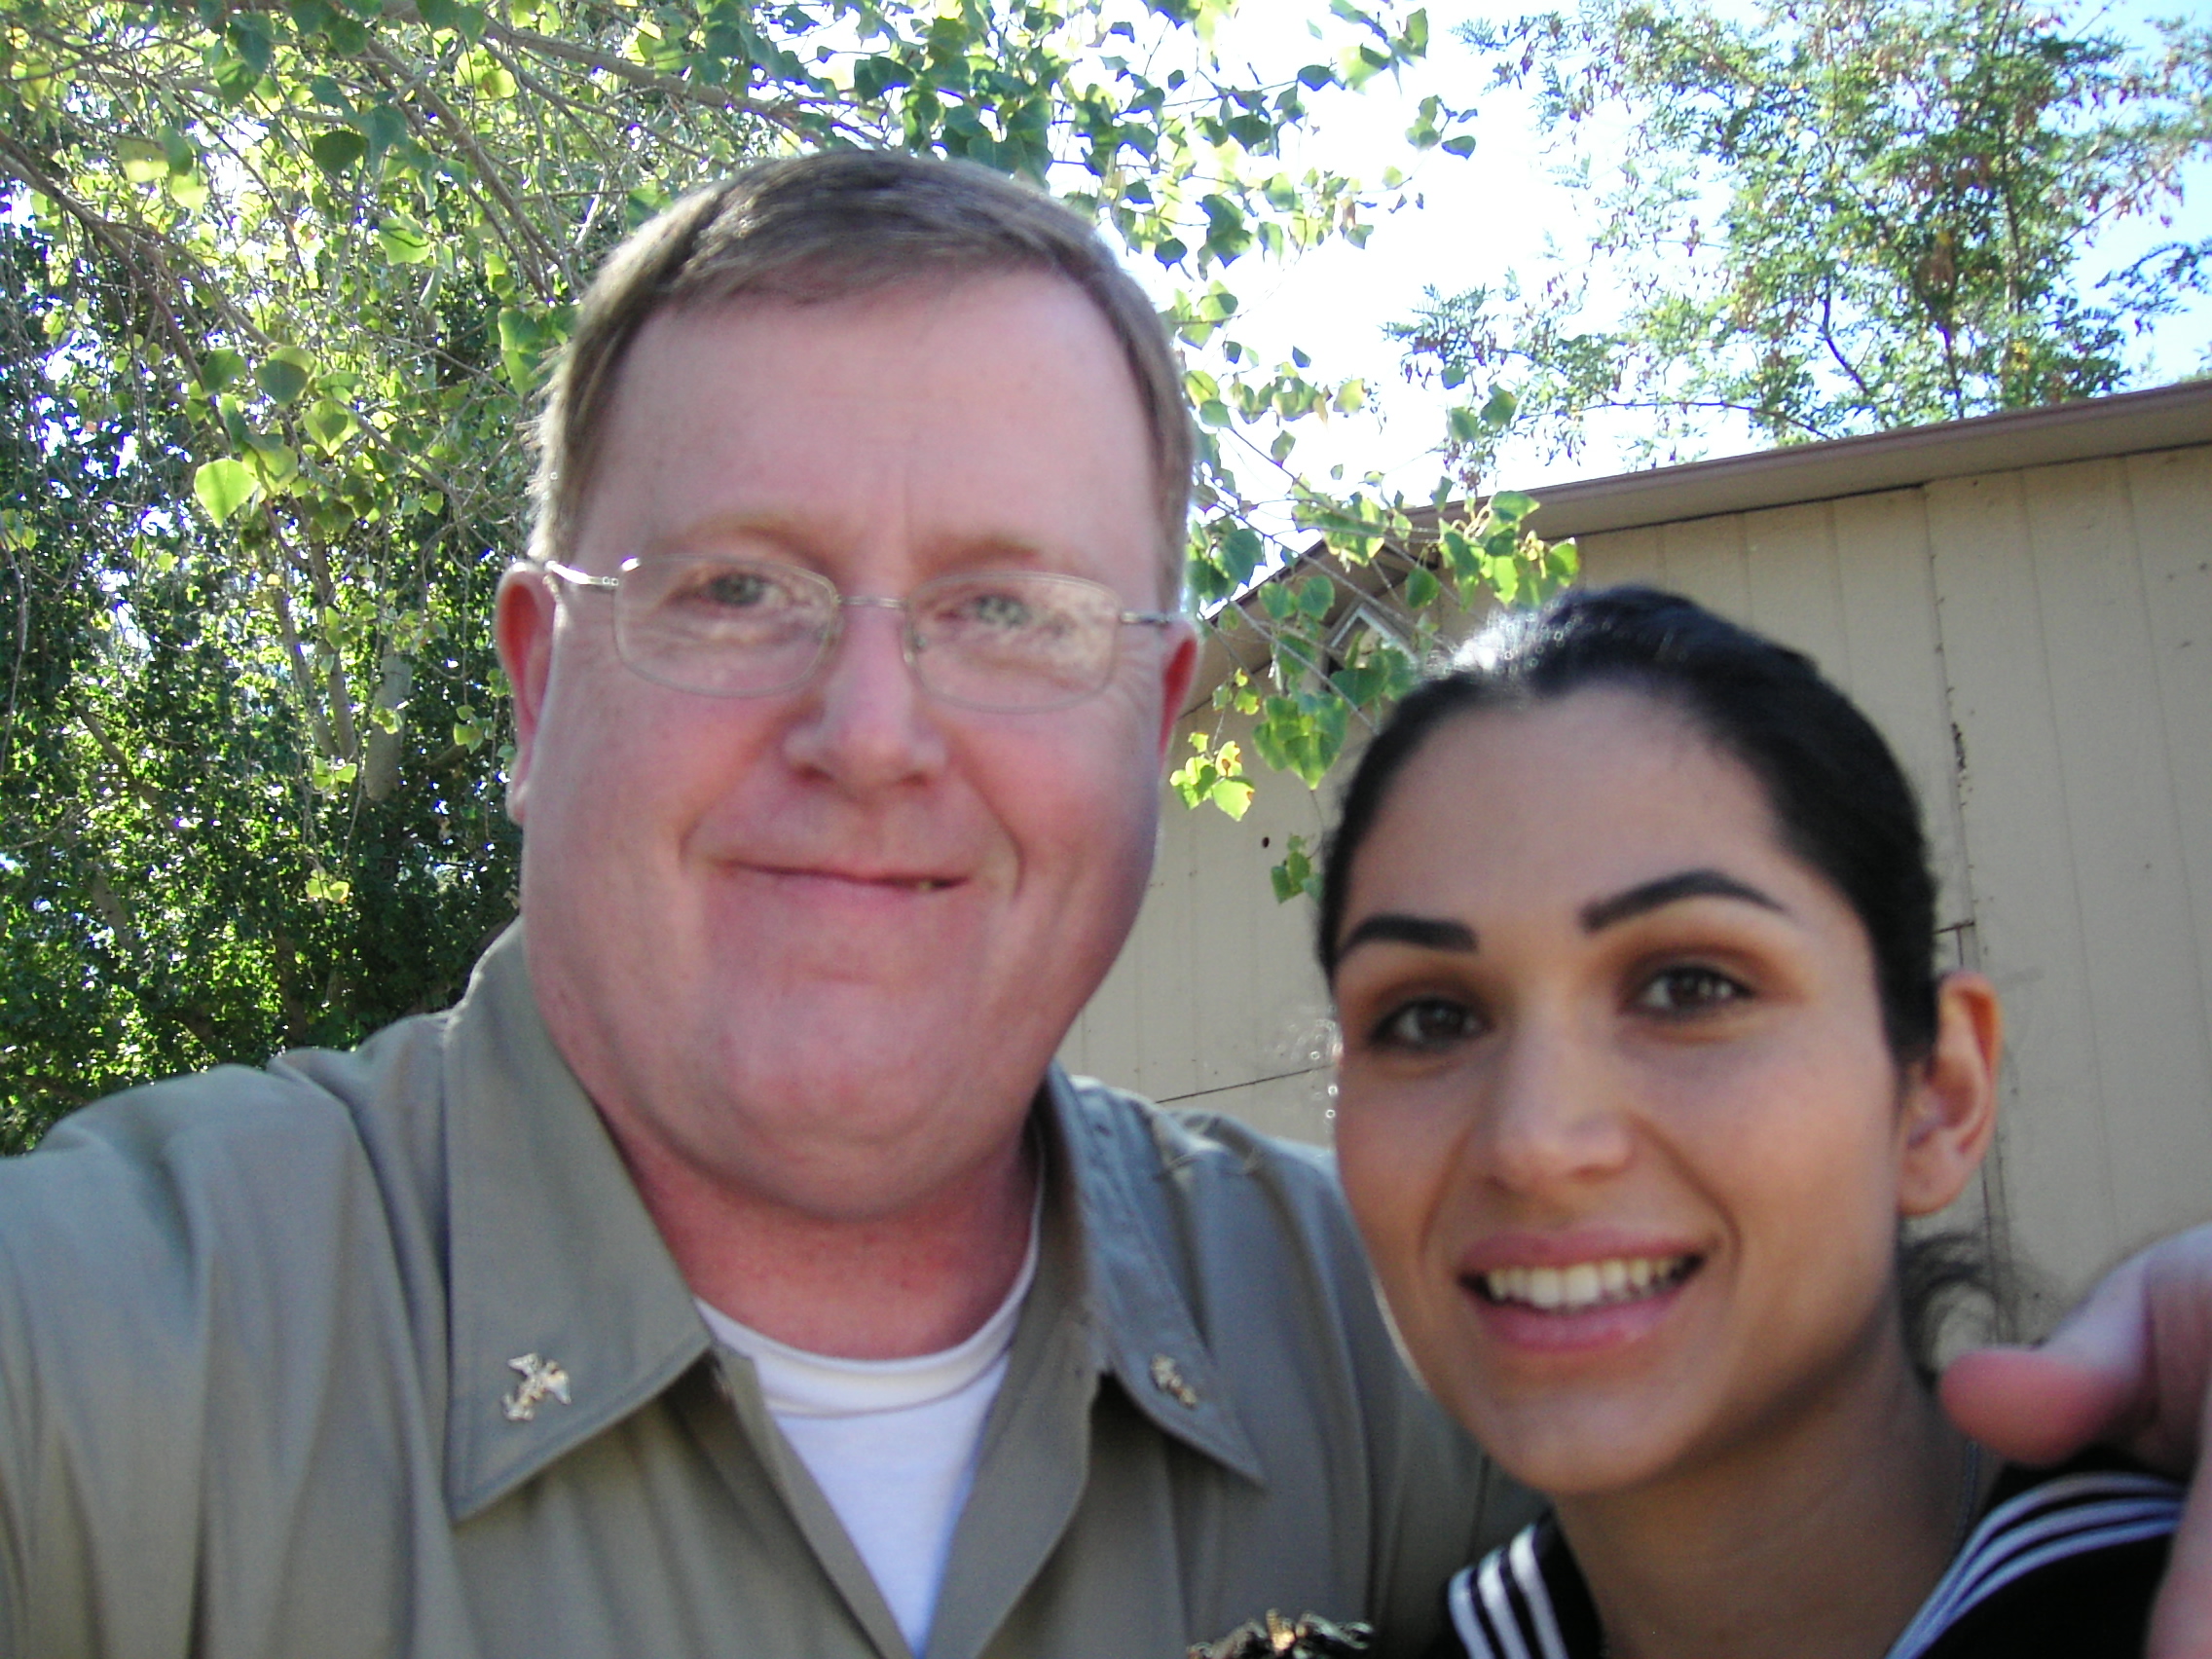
{"x": 1842, "y": 216}
{"x": 282, "y": 277}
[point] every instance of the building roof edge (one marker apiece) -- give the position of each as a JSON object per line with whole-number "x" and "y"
{"x": 2167, "y": 417}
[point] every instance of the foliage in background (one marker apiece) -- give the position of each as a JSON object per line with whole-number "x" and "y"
{"x": 281, "y": 278}
{"x": 1846, "y": 216}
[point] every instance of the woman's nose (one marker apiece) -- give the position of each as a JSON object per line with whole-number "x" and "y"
{"x": 1554, "y": 1114}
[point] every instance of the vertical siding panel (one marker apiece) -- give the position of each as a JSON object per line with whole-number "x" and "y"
{"x": 2137, "y": 943}
{"x": 2013, "y": 784}
{"x": 1792, "y": 592}
{"x": 1886, "y": 594}
{"x": 1705, "y": 559}
{"x": 1617, "y": 556}
{"x": 1282, "y": 1020}
{"x": 1214, "y": 996}
{"x": 2172, "y": 497}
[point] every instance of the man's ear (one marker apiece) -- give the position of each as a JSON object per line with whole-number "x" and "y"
{"x": 1180, "y": 662}
{"x": 1951, "y": 1103}
{"x": 522, "y": 625}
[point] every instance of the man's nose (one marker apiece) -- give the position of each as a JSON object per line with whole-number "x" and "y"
{"x": 1555, "y": 1114}
{"x": 862, "y": 720}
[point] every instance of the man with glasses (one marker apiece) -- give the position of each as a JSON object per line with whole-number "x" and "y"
{"x": 733, "y": 1272}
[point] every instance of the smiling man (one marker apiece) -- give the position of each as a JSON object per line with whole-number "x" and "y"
{"x": 733, "y": 1272}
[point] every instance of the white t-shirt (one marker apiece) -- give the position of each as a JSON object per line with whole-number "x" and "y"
{"x": 892, "y": 1443}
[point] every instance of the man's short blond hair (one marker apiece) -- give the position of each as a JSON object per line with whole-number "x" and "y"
{"x": 837, "y": 226}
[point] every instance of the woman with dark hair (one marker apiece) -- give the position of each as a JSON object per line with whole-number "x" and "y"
{"x": 1629, "y": 929}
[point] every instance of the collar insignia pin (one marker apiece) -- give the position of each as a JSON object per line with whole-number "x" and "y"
{"x": 1167, "y": 1378}
{"x": 540, "y": 1378}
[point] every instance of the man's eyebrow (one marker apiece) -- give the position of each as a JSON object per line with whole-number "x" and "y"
{"x": 1429, "y": 932}
{"x": 1600, "y": 913}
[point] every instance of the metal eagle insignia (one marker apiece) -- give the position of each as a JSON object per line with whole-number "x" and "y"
{"x": 540, "y": 1378}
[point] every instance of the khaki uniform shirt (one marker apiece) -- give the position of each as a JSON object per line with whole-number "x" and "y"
{"x": 379, "y": 1354}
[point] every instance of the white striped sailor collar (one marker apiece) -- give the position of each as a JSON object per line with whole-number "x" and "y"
{"x": 567, "y": 1312}
{"x": 1528, "y": 1599}
{"x": 2034, "y": 1519}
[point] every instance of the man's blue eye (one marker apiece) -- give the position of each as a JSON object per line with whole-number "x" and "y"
{"x": 1000, "y": 610}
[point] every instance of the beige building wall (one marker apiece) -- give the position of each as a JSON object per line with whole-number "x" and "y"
{"x": 2036, "y": 644}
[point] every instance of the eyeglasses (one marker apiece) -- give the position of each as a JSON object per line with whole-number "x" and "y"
{"x": 1009, "y": 642}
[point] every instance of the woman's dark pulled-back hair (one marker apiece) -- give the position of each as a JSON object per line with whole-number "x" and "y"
{"x": 1839, "y": 798}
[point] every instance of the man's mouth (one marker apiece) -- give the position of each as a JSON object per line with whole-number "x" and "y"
{"x": 1581, "y": 1285}
{"x": 856, "y": 878}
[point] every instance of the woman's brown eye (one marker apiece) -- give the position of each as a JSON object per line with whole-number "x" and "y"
{"x": 1688, "y": 990}
{"x": 1428, "y": 1024}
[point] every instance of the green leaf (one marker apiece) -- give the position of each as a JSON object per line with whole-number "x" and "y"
{"x": 382, "y": 127}
{"x": 1421, "y": 587}
{"x": 252, "y": 39}
{"x": 1296, "y": 873}
{"x": 285, "y": 373}
{"x": 403, "y": 240}
{"x": 330, "y": 424}
{"x": 1462, "y": 146}
{"x": 338, "y": 151}
{"x": 1240, "y": 551}
{"x": 271, "y": 460}
{"x": 219, "y": 368}
{"x": 222, "y": 487}
{"x": 1511, "y": 506}
{"x": 143, "y": 161}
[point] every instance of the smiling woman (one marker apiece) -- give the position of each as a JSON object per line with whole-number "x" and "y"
{"x": 1628, "y": 925}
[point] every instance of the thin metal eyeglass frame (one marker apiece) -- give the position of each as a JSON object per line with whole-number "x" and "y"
{"x": 907, "y": 638}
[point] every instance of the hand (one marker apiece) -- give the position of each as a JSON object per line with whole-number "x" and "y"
{"x": 2130, "y": 1368}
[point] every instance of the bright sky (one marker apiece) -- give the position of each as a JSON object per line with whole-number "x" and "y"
{"x": 1482, "y": 216}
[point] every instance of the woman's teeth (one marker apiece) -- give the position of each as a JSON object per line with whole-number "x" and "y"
{"x": 1585, "y": 1284}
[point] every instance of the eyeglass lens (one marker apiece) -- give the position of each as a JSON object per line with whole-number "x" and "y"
{"x": 1008, "y": 639}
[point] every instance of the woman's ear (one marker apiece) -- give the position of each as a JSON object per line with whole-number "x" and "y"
{"x": 1950, "y": 1101}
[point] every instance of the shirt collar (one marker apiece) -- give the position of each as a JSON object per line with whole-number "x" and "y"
{"x": 1143, "y": 1331}
{"x": 559, "y": 1274}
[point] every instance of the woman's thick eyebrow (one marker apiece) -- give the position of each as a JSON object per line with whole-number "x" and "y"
{"x": 1647, "y": 896}
{"x": 1429, "y": 932}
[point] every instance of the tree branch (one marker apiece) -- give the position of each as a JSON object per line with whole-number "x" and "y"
{"x": 131, "y": 781}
